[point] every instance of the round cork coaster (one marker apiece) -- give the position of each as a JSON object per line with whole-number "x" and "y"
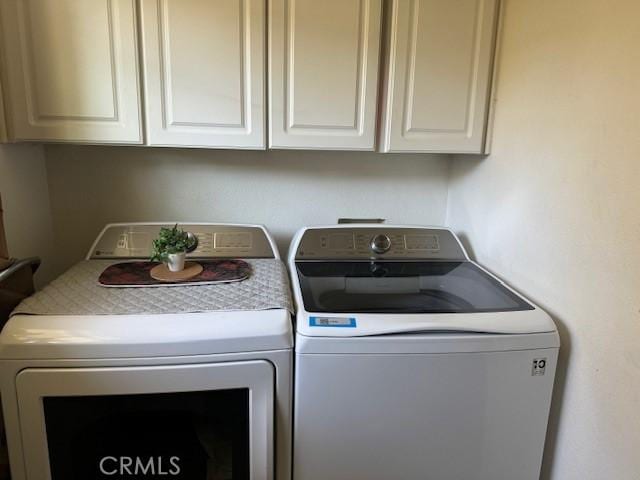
{"x": 162, "y": 273}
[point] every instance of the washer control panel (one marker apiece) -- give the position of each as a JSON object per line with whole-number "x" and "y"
{"x": 383, "y": 242}
{"x": 209, "y": 241}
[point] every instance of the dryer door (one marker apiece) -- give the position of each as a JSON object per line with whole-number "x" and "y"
{"x": 193, "y": 422}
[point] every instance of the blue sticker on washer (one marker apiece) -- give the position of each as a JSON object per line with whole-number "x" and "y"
{"x": 340, "y": 322}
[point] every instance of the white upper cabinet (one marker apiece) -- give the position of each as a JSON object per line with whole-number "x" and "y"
{"x": 71, "y": 73}
{"x": 323, "y": 72}
{"x": 71, "y": 70}
{"x": 438, "y": 75}
{"x": 204, "y": 72}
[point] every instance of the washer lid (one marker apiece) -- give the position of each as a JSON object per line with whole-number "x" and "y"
{"x": 356, "y": 299}
{"x": 118, "y": 336}
{"x": 403, "y": 287}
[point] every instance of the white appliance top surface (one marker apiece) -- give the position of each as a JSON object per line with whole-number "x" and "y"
{"x": 128, "y": 336}
{"x": 425, "y": 343}
{"x": 74, "y": 317}
{"x": 434, "y": 288}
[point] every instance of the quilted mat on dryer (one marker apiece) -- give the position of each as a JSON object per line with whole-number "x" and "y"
{"x": 77, "y": 292}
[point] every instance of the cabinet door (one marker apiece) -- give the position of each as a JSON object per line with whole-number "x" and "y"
{"x": 323, "y": 73}
{"x": 438, "y": 74}
{"x": 204, "y": 63}
{"x": 72, "y": 70}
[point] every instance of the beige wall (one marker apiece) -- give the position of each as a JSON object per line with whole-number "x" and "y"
{"x": 90, "y": 186}
{"x": 25, "y": 201}
{"x": 556, "y": 210}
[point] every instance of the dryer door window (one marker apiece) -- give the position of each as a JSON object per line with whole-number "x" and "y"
{"x": 185, "y": 435}
{"x": 195, "y": 422}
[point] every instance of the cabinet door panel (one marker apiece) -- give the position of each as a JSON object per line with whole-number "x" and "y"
{"x": 438, "y": 75}
{"x": 204, "y": 72}
{"x": 72, "y": 70}
{"x": 324, "y": 73}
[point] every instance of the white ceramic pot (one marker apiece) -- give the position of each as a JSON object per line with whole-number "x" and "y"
{"x": 175, "y": 261}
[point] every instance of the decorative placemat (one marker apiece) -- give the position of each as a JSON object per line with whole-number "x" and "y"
{"x": 138, "y": 274}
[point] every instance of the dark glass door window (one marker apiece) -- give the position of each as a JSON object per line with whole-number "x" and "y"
{"x": 189, "y": 435}
{"x": 403, "y": 287}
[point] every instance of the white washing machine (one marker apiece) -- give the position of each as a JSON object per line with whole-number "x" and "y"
{"x": 412, "y": 362}
{"x": 186, "y": 382}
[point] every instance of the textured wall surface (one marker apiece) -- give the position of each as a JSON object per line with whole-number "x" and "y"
{"x": 25, "y": 201}
{"x": 555, "y": 209}
{"x": 284, "y": 190}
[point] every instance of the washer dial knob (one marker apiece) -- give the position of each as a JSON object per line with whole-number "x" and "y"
{"x": 380, "y": 244}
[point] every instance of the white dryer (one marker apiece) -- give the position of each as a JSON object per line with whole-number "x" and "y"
{"x": 186, "y": 382}
{"x": 412, "y": 361}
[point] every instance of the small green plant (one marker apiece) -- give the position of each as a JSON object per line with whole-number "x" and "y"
{"x": 170, "y": 240}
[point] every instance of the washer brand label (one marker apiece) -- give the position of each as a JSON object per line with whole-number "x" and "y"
{"x": 349, "y": 322}
{"x": 538, "y": 367}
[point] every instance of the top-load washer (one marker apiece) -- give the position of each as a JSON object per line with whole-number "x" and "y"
{"x": 184, "y": 382}
{"x": 412, "y": 361}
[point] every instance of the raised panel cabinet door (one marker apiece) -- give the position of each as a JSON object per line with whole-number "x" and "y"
{"x": 323, "y": 71}
{"x": 204, "y": 70}
{"x": 72, "y": 70}
{"x": 438, "y": 75}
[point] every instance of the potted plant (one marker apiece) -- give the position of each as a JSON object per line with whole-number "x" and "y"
{"x": 171, "y": 247}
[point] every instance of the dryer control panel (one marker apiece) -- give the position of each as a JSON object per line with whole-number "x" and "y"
{"x": 208, "y": 241}
{"x": 378, "y": 242}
